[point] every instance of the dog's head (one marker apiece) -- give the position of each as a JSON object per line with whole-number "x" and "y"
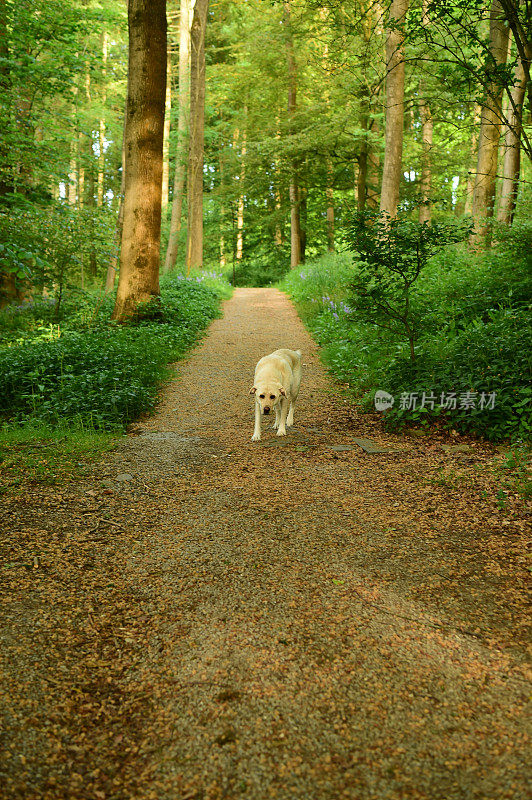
{"x": 268, "y": 396}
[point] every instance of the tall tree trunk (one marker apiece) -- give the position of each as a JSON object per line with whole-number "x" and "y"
{"x": 101, "y": 132}
{"x": 512, "y": 148}
{"x": 196, "y": 144}
{"x": 278, "y": 233}
{"x": 185, "y": 22}
{"x": 329, "y": 194}
{"x": 472, "y": 161}
{"x": 6, "y": 172}
{"x": 303, "y": 198}
{"x": 112, "y": 266}
{"x": 139, "y": 271}
{"x": 240, "y": 206}
{"x": 295, "y": 224}
{"x": 425, "y": 211}
{"x": 395, "y": 94}
{"x": 166, "y": 133}
{"x": 91, "y": 203}
{"x": 490, "y": 128}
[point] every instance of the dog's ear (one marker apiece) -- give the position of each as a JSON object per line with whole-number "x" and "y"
{"x": 282, "y": 391}
{"x": 253, "y": 390}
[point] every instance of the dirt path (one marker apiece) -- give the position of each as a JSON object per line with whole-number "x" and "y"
{"x": 266, "y": 620}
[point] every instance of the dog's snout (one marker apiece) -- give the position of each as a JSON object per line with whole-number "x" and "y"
{"x": 266, "y": 409}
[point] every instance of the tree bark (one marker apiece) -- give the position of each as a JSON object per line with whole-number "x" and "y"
{"x": 240, "y": 206}
{"x": 166, "y": 133}
{"x": 425, "y": 211}
{"x": 295, "y": 223}
{"x": 395, "y": 92}
{"x": 472, "y": 161}
{"x": 182, "y": 134}
{"x": 329, "y": 194}
{"x": 512, "y": 148}
{"x": 113, "y": 265}
{"x": 196, "y": 144}
{"x": 139, "y": 271}
{"x": 490, "y": 128}
{"x": 101, "y": 132}
{"x": 6, "y": 172}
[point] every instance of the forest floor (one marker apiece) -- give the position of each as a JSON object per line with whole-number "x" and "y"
{"x": 203, "y": 617}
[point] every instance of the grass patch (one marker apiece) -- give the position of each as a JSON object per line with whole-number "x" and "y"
{"x": 37, "y": 454}
{"x": 70, "y": 383}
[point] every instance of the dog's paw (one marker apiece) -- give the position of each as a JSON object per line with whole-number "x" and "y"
{"x": 255, "y": 437}
{"x": 281, "y": 432}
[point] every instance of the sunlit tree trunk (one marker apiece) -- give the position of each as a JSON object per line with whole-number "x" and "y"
{"x": 425, "y": 214}
{"x": 472, "y": 161}
{"x": 139, "y": 267}
{"x": 489, "y": 134}
{"x": 395, "y": 92}
{"x": 196, "y": 144}
{"x": 6, "y": 174}
{"x": 166, "y": 134}
{"x": 295, "y": 223}
{"x": 72, "y": 186}
{"x": 101, "y": 131}
{"x": 185, "y": 21}
{"x": 112, "y": 266}
{"x": 278, "y": 232}
{"x": 512, "y": 148}
{"x": 240, "y": 206}
{"x": 329, "y": 194}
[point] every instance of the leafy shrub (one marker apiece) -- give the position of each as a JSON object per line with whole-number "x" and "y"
{"x": 104, "y": 374}
{"x": 476, "y": 336}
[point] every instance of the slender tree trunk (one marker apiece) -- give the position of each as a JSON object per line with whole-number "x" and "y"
{"x": 278, "y": 233}
{"x": 91, "y": 203}
{"x": 166, "y": 134}
{"x": 425, "y": 211}
{"x": 196, "y": 144}
{"x": 490, "y": 128}
{"x": 112, "y": 266}
{"x": 101, "y": 132}
{"x": 395, "y": 92}
{"x": 240, "y": 206}
{"x": 472, "y": 161}
{"x": 303, "y": 200}
{"x": 185, "y": 22}
{"x": 374, "y": 163}
{"x": 6, "y": 171}
{"x": 72, "y": 175}
{"x": 512, "y": 148}
{"x": 295, "y": 224}
{"x": 139, "y": 271}
{"x": 329, "y": 194}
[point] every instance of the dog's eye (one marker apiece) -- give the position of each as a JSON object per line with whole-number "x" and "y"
{"x": 272, "y": 397}
{"x": 261, "y": 396}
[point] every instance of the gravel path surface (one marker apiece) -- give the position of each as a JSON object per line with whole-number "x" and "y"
{"x": 293, "y": 626}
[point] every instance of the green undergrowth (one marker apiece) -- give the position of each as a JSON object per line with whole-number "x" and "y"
{"x": 35, "y": 453}
{"x": 78, "y": 377}
{"x": 475, "y": 328}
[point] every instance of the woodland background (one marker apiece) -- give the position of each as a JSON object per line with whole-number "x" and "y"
{"x": 317, "y": 116}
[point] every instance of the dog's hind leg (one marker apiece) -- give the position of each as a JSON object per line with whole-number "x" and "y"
{"x": 277, "y": 418}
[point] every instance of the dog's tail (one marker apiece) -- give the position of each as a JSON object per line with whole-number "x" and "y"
{"x": 299, "y": 353}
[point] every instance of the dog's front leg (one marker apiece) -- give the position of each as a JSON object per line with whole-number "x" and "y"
{"x": 282, "y": 422}
{"x": 256, "y": 432}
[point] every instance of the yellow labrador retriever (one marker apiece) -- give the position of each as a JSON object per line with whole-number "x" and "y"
{"x": 276, "y": 386}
